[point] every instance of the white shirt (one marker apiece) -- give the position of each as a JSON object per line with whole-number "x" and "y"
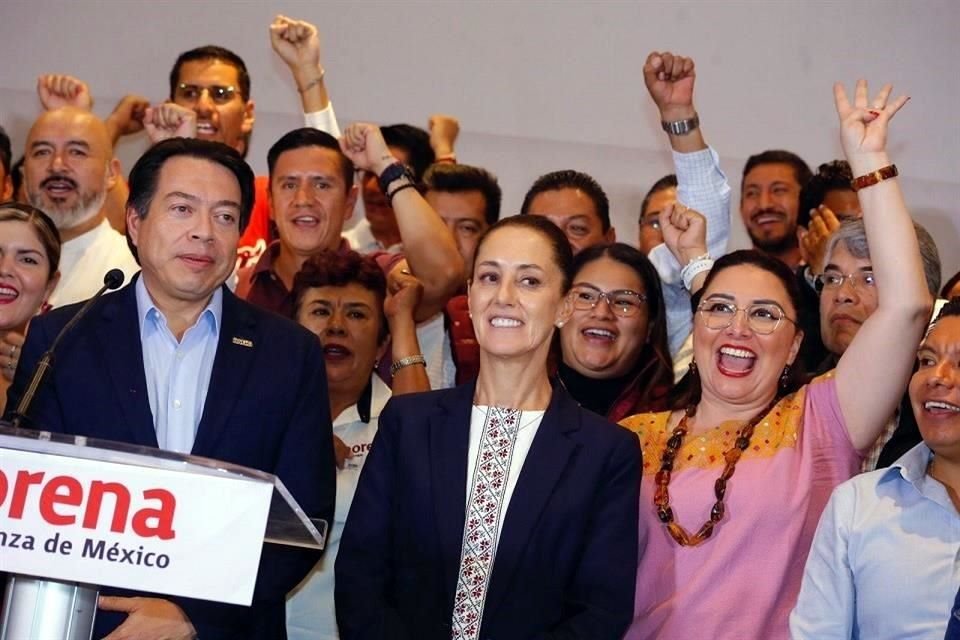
{"x": 86, "y": 259}
{"x": 310, "y": 611}
{"x": 435, "y": 346}
{"x": 529, "y": 425}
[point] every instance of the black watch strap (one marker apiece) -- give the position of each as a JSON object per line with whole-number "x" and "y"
{"x": 392, "y": 173}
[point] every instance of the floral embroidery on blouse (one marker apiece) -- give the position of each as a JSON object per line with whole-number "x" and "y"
{"x": 780, "y": 429}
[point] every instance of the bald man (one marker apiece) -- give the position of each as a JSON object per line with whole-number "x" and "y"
{"x": 68, "y": 170}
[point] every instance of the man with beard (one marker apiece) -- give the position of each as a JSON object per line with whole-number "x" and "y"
{"x": 771, "y": 212}
{"x": 68, "y": 169}
{"x": 770, "y": 203}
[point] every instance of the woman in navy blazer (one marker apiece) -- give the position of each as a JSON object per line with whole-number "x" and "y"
{"x": 565, "y": 549}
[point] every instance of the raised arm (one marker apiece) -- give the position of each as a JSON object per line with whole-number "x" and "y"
{"x": 701, "y": 185}
{"x": 880, "y": 357}
{"x": 297, "y": 42}
{"x": 428, "y": 244}
{"x": 403, "y": 295}
{"x": 57, "y": 90}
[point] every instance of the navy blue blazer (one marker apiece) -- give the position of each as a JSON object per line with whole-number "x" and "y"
{"x": 567, "y": 557}
{"x": 266, "y": 408}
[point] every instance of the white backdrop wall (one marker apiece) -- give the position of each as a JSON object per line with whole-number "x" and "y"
{"x": 542, "y": 85}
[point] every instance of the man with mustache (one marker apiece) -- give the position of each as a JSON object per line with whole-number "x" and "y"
{"x": 847, "y": 298}
{"x": 68, "y": 170}
{"x": 770, "y": 203}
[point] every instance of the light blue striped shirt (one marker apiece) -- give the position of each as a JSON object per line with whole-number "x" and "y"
{"x": 177, "y": 373}
{"x": 885, "y": 561}
{"x": 702, "y": 186}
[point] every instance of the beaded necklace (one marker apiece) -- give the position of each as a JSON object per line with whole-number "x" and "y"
{"x": 661, "y": 498}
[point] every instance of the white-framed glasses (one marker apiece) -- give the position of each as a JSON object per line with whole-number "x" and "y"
{"x": 762, "y": 317}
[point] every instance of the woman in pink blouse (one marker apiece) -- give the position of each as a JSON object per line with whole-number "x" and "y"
{"x": 724, "y": 553}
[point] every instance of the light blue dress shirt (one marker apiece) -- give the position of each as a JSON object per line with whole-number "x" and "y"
{"x": 177, "y": 373}
{"x": 703, "y": 187}
{"x": 884, "y": 561}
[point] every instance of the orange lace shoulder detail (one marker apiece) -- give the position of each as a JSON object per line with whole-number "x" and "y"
{"x": 778, "y": 430}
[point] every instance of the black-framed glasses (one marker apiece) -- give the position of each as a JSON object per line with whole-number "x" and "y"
{"x": 191, "y": 93}
{"x": 763, "y": 318}
{"x": 623, "y": 302}
{"x": 862, "y": 280}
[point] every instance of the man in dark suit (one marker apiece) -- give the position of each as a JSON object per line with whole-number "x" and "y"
{"x": 177, "y": 361}
{"x": 566, "y": 560}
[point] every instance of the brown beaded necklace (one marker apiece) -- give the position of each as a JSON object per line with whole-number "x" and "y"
{"x": 661, "y": 498}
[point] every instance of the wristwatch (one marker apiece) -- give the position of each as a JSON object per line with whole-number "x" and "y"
{"x": 393, "y": 173}
{"x": 681, "y": 127}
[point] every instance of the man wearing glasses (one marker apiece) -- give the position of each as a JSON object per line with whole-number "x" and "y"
{"x": 848, "y": 297}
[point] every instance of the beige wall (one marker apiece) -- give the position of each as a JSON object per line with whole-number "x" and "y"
{"x": 543, "y": 85}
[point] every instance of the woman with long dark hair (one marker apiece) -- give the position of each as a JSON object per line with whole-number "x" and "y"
{"x": 724, "y": 553}
{"x": 614, "y": 344}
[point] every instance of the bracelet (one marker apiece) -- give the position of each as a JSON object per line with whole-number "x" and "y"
{"x": 874, "y": 177}
{"x": 694, "y": 268}
{"x": 405, "y": 185}
{"x": 393, "y": 171}
{"x": 450, "y": 158}
{"x": 314, "y": 82}
{"x": 406, "y": 362}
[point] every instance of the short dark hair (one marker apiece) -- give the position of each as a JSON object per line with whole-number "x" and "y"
{"x": 6, "y": 154}
{"x": 559, "y": 245}
{"x": 458, "y": 178}
{"x": 146, "y": 172}
{"x": 16, "y": 175}
{"x": 668, "y": 181}
{"x": 415, "y": 141}
{"x": 951, "y": 283}
{"x": 338, "y": 269}
{"x": 654, "y": 361}
{"x": 688, "y": 390}
{"x": 43, "y": 226}
{"x": 570, "y": 179}
{"x": 309, "y": 137}
{"x": 212, "y": 52}
{"x": 949, "y": 309}
{"x": 801, "y": 173}
{"x": 835, "y": 175}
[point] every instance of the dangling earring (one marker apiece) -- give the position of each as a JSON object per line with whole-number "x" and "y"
{"x": 785, "y": 377}
{"x": 693, "y": 368}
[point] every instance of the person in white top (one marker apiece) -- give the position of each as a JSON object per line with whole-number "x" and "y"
{"x": 342, "y": 297}
{"x": 68, "y": 170}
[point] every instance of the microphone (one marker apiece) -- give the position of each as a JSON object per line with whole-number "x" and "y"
{"x": 112, "y": 280}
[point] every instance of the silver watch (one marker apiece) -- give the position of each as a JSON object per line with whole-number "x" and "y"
{"x": 681, "y": 127}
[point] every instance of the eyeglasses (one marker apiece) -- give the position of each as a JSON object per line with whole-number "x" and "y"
{"x": 863, "y": 280}
{"x": 191, "y": 93}
{"x": 623, "y": 302}
{"x": 762, "y": 318}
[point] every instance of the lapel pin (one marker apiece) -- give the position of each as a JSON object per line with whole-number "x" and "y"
{"x": 243, "y": 342}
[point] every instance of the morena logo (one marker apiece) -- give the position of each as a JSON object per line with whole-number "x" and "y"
{"x": 63, "y": 499}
